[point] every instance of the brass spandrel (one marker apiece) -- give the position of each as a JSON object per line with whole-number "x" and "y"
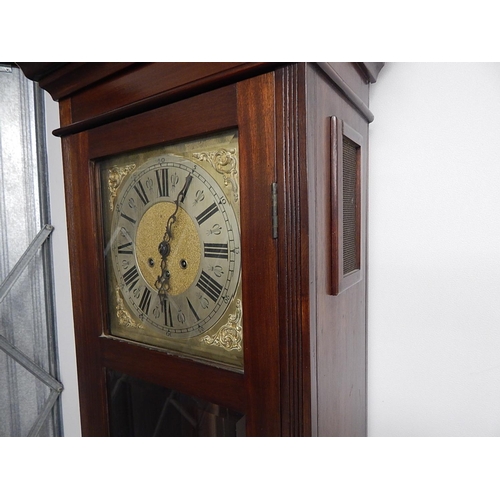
{"x": 229, "y": 336}
{"x": 225, "y": 162}
{"x": 115, "y": 178}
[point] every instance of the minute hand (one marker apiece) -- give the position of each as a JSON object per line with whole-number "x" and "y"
{"x": 163, "y": 281}
{"x": 173, "y": 217}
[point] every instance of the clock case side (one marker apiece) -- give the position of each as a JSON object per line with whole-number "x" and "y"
{"x": 322, "y": 336}
{"x": 338, "y": 322}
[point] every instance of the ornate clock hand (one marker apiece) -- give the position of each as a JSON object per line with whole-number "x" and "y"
{"x": 163, "y": 281}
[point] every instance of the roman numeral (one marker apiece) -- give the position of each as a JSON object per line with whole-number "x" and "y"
{"x": 216, "y": 250}
{"x": 168, "y": 313}
{"x": 206, "y": 214}
{"x": 128, "y": 218}
{"x": 125, "y": 248}
{"x": 145, "y": 300}
{"x": 131, "y": 277}
{"x": 209, "y": 286}
{"x": 162, "y": 180}
{"x": 193, "y": 310}
{"x": 139, "y": 189}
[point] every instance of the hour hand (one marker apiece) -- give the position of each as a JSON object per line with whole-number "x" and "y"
{"x": 163, "y": 283}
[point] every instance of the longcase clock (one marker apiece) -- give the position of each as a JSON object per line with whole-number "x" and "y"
{"x": 217, "y": 228}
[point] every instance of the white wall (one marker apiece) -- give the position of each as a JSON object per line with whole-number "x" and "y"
{"x": 64, "y": 310}
{"x": 434, "y": 257}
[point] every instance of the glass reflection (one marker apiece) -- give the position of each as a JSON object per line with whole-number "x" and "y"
{"x": 141, "y": 409}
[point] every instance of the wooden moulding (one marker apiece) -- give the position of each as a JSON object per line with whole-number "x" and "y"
{"x": 347, "y": 91}
{"x": 102, "y": 93}
{"x": 293, "y": 248}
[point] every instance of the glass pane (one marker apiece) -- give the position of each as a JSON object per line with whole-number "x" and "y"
{"x": 172, "y": 247}
{"x": 141, "y": 409}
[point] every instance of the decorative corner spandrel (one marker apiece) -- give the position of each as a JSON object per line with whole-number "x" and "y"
{"x": 124, "y": 317}
{"x": 229, "y": 336}
{"x": 224, "y": 162}
{"x": 116, "y": 176}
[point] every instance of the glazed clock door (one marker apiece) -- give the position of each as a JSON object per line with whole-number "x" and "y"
{"x": 173, "y": 261}
{"x": 174, "y": 267}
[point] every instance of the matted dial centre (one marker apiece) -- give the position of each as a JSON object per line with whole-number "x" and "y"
{"x": 183, "y": 261}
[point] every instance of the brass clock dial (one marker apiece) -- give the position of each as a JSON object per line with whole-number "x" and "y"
{"x": 173, "y": 241}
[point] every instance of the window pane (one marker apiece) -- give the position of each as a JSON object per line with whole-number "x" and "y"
{"x": 25, "y": 313}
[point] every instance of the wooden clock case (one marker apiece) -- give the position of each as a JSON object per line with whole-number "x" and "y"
{"x": 304, "y": 316}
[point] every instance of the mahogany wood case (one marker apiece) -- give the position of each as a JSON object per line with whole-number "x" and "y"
{"x": 304, "y": 317}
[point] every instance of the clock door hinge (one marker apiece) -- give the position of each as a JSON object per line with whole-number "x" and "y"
{"x": 274, "y": 194}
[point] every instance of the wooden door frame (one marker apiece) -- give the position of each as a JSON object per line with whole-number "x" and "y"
{"x": 248, "y": 105}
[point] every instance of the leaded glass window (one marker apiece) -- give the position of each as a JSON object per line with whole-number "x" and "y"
{"x": 29, "y": 388}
